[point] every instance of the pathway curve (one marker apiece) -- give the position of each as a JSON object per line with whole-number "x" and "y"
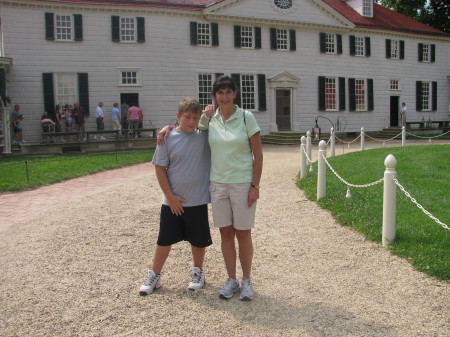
{"x": 76, "y": 271}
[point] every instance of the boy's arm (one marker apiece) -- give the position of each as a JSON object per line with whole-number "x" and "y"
{"x": 174, "y": 200}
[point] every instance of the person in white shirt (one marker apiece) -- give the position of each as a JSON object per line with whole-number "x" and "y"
{"x": 99, "y": 114}
{"x": 403, "y": 114}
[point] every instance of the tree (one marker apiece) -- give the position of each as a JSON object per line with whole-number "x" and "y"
{"x": 434, "y": 13}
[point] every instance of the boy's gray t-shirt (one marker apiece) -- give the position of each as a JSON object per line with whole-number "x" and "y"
{"x": 188, "y": 160}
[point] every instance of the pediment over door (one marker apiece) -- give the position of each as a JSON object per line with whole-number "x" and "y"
{"x": 283, "y": 80}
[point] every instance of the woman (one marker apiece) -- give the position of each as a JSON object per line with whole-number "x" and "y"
{"x": 58, "y": 121}
{"x": 236, "y": 166}
{"x": 236, "y": 158}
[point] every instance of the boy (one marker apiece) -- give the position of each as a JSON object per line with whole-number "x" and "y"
{"x": 182, "y": 167}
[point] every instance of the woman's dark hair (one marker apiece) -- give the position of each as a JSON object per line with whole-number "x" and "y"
{"x": 223, "y": 82}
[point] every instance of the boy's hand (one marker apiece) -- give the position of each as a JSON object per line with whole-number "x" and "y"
{"x": 175, "y": 205}
{"x": 209, "y": 110}
{"x": 163, "y": 134}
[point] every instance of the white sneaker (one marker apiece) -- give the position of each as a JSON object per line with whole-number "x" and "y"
{"x": 23, "y": 142}
{"x": 102, "y": 138}
{"x": 231, "y": 287}
{"x": 198, "y": 279}
{"x": 95, "y": 137}
{"x": 15, "y": 142}
{"x": 151, "y": 282}
{"x": 246, "y": 290}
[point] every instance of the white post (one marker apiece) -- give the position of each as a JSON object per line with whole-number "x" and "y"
{"x": 303, "y": 157}
{"x": 362, "y": 139}
{"x": 333, "y": 142}
{"x": 389, "y": 201}
{"x": 321, "y": 171}
{"x": 403, "y": 136}
{"x": 6, "y": 128}
{"x": 308, "y": 145}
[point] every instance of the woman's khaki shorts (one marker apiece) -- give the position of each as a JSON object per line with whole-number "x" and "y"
{"x": 229, "y": 205}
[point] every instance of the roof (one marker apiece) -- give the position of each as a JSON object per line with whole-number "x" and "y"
{"x": 383, "y": 18}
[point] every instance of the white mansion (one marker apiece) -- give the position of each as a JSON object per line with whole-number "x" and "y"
{"x": 294, "y": 60}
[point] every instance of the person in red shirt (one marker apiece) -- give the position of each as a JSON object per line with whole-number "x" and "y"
{"x": 133, "y": 118}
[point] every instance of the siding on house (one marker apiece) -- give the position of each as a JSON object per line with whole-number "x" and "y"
{"x": 168, "y": 64}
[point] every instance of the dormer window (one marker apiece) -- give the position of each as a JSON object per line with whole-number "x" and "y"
{"x": 368, "y": 8}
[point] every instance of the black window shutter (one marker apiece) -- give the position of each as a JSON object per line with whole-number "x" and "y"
{"x": 193, "y": 26}
{"x": 49, "y": 26}
{"x": 49, "y": 98}
{"x": 402, "y": 49}
{"x": 115, "y": 28}
{"x": 2, "y": 83}
{"x": 418, "y": 95}
{"x": 321, "y": 93}
{"x": 83, "y": 91}
{"x": 322, "y": 42}
{"x": 352, "y": 45}
{"x": 257, "y": 37}
{"x": 339, "y": 43}
{"x": 433, "y": 53}
{"x": 420, "y": 52}
{"x": 434, "y": 96}
{"x": 292, "y": 40}
{"x": 367, "y": 40}
{"x": 140, "y": 29}
{"x": 351, "y": 95}
{"x": 273, "y": 38}
{"x": 215, "y": 34}
{"x": 370, "y": 102}
{"x": 388, "y": 48}
{"x": 237, "y": 36}
{"x": 237, "y": 80}
{"x": 262, "y": 92}
{"x": 341, "y": 93}
{"x": 78, "y": 25}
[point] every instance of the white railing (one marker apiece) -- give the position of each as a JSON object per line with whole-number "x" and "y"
{"x": 389, "y": 191}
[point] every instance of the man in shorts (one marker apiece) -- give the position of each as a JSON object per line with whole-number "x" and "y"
{"x": 182, "y": 166}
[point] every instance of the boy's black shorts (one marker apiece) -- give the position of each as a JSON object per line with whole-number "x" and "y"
{"x": 191, "y": 226}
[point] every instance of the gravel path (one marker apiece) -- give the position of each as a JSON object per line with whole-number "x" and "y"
{"x": 77, "y": 271}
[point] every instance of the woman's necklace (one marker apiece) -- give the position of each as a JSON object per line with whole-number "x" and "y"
{"x": 226, "y": 116}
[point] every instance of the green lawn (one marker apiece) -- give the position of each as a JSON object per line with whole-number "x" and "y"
{"x": 424, "y": 171}
{"x": 19, "y": 173}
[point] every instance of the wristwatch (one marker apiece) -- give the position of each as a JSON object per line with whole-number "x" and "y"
{"x": 255, "y": 186}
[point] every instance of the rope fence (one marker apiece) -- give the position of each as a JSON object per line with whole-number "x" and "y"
{"x": 389, "y": 196}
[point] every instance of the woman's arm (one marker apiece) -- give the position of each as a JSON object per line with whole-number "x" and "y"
{"x": 255, "y": 144}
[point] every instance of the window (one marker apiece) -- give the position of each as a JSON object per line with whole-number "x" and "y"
{"x": 282, "y": 39}
{"x": 394, "y": 85}
{"x": 251, "y": 91}
{"x": 63, "y": 27}
{"x": 127, "y": 29}
{"x": 360, "y": 94}
{"x": 65, "y": 88}
{"x": 427, "y": 52}
{"x": 368, "y": 8}
{"x": 359, "y": 46}
{"x": 426, "y": 96}
{"x": 331, "y": 93}
{"x": 283, "y": 4}
{"x": 330, "y": 43}
{"x": 205, "y": 82}
{"x": 129, "y": 77}
{"x": 204, "y": 34}
{"x": 395, "y": 49}
{"x": 247, "y": 37}
{"x": 248, "y": 92}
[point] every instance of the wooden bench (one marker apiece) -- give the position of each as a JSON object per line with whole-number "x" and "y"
{"x": 125, "y": 133}
{"x": 428, "y": 124}
{"x": 62, "y": 134}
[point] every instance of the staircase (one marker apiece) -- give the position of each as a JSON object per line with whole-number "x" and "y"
{"x": 389, "y": 133}
{"x": 282, "y": 138}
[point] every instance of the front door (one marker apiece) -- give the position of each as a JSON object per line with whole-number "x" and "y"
{"x": 394, "y": 111}
{"x": 283, "y": 109}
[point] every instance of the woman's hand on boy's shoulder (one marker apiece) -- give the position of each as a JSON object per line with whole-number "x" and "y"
{"x": 209, "y": 110}
{"x": 163, "y": 134}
